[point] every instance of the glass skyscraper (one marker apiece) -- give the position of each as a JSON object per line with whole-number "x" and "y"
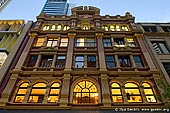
{"x": 56, "y": 7}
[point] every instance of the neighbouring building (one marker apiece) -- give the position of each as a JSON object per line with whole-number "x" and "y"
{"x": 88, "y": 61}
{"x": 56, "y": 7}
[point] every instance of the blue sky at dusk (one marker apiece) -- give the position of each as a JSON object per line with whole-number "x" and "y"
{"x": 143, "y": 10}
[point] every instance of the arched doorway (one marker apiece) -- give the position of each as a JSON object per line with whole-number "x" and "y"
{"x": 85, "y": 92}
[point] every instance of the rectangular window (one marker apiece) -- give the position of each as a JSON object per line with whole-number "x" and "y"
{"x": 107, "y": 42}
{"x": 52, "y": 42}
{"x": 80, "y": 42}
{"x": 166, "y": 28}
{"x": 119, "y": 42}
{"x": 138, "y": 61}
{"x": 60, "y": 61}
{"x": 124, "y": 61}
{"x": 32, "y": 61}
{"x": 150, "y": 28}
{"x": 64, "y": 42}
{"x": 46, "y": 61}
{"x": 91, "y": 61}
{"x": 79, "y": 61}
{"x": 90, "y": 42}
{"x": 110, "y": 62}
{"x": 39, "y": 42}
{"x": 167, "y": 67}
{"x": 160, "y": 47}
{"x": 85, "y": 42}
{"x": 3, "y": 57}
{"x": 131, "y": 42}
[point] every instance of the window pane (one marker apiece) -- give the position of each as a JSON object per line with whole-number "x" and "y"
{"x": 124, "y": 61}
{"x": 150, "y": 98}
{"x": 79, "y": 63}
{"x": 107, "y": 42}
{"x": 138, "y": 61}
{"x": 117, "y": 98}
{"x": 119, "y": 42}
{"x": 32, "y": 61}
{"x": 160, "y": 47}
{"x": 38, "y": 91}
{"x": 116, "y": 92}
{"x": 167, "y": 67}
{"x": 19, "y": 99}
{"x": 46, "y": 61}
{"x": 80, "y": 42}
{"x": 90, "y": 42}
{"x": 53, "y": 99}
{"x": 64, "y": 42}
{"x": 22, "y": 91}
{"x": 110, "y": 63}
{"x": 91, "y": 61}
{"x": 148, "y": 91}
{"x": 3, "y": 57}
{"x": 39, "y": 42}
{"x": 131, "y": 42}
{"x": 49, "y": 43}
{"x": 37, "y": 99}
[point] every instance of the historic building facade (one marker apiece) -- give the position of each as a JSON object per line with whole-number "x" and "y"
{"x": 84, "y": 61}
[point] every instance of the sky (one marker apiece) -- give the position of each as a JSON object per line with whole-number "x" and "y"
{"x": 142, "y": 10}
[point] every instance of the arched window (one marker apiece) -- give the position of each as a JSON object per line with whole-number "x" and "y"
{"x": 54, "y": 93}
{"x": 59, "y": 27}
{"x": 118, "y": 28}
{"x": 37, "y": 93}
{"x": 53, "y": 27}
{"x": 125, "y": 28}
{"x": 149, "y": 92}
{"x": 132, "y": 92}
{"x": 21, "y": 92}
{"x": 112, "y": 27}
{"x": 85, "y": 92}
{"x": 105, "y": 28}
{"x": 46, "y": 27}
{"x": 66, "y": 27}
{"x": 116, "y": 92}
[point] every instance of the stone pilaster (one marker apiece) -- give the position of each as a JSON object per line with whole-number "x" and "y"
{"x": 106, "y": 100}
{"x": 65, "y": 91}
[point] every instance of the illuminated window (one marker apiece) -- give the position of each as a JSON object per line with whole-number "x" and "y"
{"x": 37, "y": 93}
{"x": 91, "y": 61}
{"x": 3, "y": 57}
{"x": 110, "y": 62}
{"x": 53, "y": 96}
{"x": 107, "y": 42}
{"x": 85, "y": 42}
{"x": 149, "y": 92}
{"x": 119, "y": 42}
{"x": 32, "y": 61}
{"x": 66, "y": 27}
{"x": 52, "y": 42}
{"x": 132, "y": 92}
{"x": 85, "y": 27}
{"x": 39, "y": 42}
{"x": 64, "y": 42}
{"x": 46, "y": 27}
{"x": 59, "y": 27}
{"x": 118, "y": 28}
{"x": 46, "y": 61}
{"x": 138, "y": 61}
{"x": 112, "y": 27}
{"x": 116, "y": 92}
{"x": 21, "y": 93}
{"x": 125, "y": 28}
{"x": 160, "y": 47}
{"x": 105, "y": 28}
{"x": 85, "y": 92}
{"x": 131, "y": 42}
{"x": 60, "y": 62}
{"x": 53, "y": 27}
{"x": 79, "y": 61}
{"x": 124, "y": 61}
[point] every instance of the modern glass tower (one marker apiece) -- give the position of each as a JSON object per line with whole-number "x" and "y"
{"x": 3, "y": 3}
{"x": 56, "y": 7}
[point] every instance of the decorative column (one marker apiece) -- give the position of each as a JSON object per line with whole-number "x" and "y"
{"x": 106, "y": 100}
{"x": 117, "y": 62}
{"x": 69, "y": 59}
{"x": 29, "y": 88}
{"x": 65, "y": 91}
{"x": 143, "y": 94}
{"x": 102, "y": 63}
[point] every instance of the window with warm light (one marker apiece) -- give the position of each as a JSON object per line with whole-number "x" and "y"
{"x": 85, "y": 92}
{"x": 85, "y": 42}
{"x": 116, "y": 92}
{"x": 105, "y": 28}
{"x": 107, "y": 42}
{"x": 46, "y": 27}
{"x": 80, "y": 42}
{"x": 39, "y": 42}
{"x": 132, "y": 92}
{"x": 53, "y": 96}
{"x": 37, "y": 93}
{"x": 59, "y": 27}
{"x": 125, "y": 28}
{"x": 66, "y": 27}
{"x": 149, "y": 92}
{"x": 60, "y": 62}
{"x": 46, "y": 61}
{"x": 53, "y": 27}
{"x": 131, "y": 42}
{"x": 19, "y": 97}
{"x": 32, "y": 61}
{"x": 110, "y": 61}
{"x": 118, "y": 28}
{"x": 64, "y": 42}
{"x": 3, "y": 57}
{"x": 85, "y": 26}
{"x": 52, "y": 42}
{"x": 112, "y": 27}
